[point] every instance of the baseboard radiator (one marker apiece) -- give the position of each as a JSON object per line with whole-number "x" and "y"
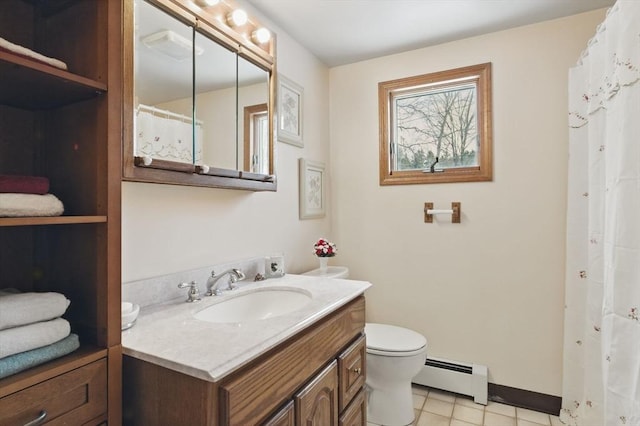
{"x": 454, "y": 376}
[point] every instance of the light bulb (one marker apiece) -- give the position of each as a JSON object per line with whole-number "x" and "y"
{"x": 237, "y": 18}
{"x": 261, "y": 35}
{"x": 207, "y": 3}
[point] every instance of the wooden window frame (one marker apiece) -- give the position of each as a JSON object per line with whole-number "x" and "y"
{"x": 481, "y": 75}
{"x": 250, "y": 113}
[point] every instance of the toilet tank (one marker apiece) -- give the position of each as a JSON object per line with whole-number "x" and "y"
{"x": 330, "y": 272}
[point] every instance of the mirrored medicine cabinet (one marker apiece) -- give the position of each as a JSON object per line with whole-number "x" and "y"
{"x": 200, "y": 95}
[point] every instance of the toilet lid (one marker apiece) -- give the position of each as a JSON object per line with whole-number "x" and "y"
{"x": 390, "y": 338}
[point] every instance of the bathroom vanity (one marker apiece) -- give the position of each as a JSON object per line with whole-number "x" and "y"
{"x": 303, "y": 367}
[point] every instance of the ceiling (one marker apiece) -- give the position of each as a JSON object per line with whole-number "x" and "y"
{"x": 340, "y": 32}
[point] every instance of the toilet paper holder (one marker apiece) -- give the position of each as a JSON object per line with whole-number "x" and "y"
{"x": 455, "y": 211}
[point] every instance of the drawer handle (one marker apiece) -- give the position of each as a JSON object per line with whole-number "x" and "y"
{"x": 38, "y": 421}
{"x": 357, "y": 370}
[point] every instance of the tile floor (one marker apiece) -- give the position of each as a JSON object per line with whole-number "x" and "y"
{"x": 438, "y": 408}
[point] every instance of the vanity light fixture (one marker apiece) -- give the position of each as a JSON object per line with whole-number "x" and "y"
{"x": 261, "y": 35}
{"x": 171, "y": 44}
{"x": 237, "y": 18}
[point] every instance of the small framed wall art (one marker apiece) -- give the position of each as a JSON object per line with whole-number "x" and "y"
{"x": 290, "y": 101}
{"x": 312, "y": 189}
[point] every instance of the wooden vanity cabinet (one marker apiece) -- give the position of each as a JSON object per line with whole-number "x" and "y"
{"x": 66, "y": 125}
{"x": 300, "y": 381}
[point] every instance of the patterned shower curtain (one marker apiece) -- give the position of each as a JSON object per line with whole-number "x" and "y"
{"x": 601, "y": 376}
{"x": 164, "y": 135}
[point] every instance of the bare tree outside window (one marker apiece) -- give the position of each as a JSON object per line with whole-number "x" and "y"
{"x": 436, "y": 124}
{"x": 436, "y": 127}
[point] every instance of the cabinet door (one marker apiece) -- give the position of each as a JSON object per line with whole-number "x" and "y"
{"x": 317, "y": 403}
{"x": 356, "y": 413}
{"x": 352, "y": 370}
{"x": 284, "y": 417}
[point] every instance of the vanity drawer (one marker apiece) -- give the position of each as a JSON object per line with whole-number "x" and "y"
{"x": 352, "y": 369}
{"x": 73, "y": 398}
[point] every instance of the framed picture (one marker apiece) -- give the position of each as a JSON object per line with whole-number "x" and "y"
{"x": 312, "y": 183}
{"x": 290, "y": 101}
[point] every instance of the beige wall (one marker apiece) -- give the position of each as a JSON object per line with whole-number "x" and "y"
{"x": 489, "y": 290}
{"x": 169, "y": 228}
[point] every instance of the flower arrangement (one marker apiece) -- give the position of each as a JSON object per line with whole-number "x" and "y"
{"x": 324, "y": 248}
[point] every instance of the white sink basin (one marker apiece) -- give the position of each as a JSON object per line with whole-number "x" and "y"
{"x": 257, "y": 305}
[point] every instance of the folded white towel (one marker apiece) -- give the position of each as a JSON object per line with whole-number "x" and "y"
{"x": 27, "y": 308}
{"x": 21, "y": 50}
{"x": 21, "y": 205}
{"x": 26, "y": 337}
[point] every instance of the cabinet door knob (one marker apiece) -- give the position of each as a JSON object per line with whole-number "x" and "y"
{"x": 356, "y": 370}
{"x": 38, "y": 420}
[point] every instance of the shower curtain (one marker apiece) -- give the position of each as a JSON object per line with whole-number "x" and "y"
{"x": 168, "y": 136}
{"x": 601, "y": 375}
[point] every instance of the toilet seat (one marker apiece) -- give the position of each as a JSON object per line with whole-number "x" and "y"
{"x": 390, "y": 340}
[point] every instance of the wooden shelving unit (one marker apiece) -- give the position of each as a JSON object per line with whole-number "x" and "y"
{"x": 66, "y": 125}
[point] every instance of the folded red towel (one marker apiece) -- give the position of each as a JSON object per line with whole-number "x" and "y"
{"x": 24, "y": 184}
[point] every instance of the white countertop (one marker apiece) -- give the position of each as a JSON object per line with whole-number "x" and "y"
{"x": 168, "y": 334}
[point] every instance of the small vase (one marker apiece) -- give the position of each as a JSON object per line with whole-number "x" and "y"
{"x": 324, "y": 261}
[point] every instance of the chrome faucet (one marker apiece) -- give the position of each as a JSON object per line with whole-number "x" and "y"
{"x": 213, "y": 282}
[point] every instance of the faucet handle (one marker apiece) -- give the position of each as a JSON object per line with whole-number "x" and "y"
{"x": 237, "y": 275}
{"x": 194, "y": 294}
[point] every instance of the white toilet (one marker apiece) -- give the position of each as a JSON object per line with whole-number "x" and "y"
{"x": 394, "y": 356}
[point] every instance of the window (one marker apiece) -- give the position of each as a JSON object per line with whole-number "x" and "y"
{"x": 256, "y": 139}
{"x": 436, "y": 128}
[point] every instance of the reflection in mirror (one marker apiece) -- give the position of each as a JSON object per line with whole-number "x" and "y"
{"x": 253, "y": 117}
{"x": 215, "y": 88}
{"x": 256, "y": 139}
{"x": 163, "y": 90}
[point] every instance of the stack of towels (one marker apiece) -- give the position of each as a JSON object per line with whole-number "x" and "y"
{"x": 24, "y": 196}
{"x": 32, "y": 331}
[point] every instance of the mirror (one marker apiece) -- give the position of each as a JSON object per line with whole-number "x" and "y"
{"x": 202, "y": 103}
{"x": 253, "y": 114}
{"x": 215, "y": 88}
{"x": 163, "y": 68}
